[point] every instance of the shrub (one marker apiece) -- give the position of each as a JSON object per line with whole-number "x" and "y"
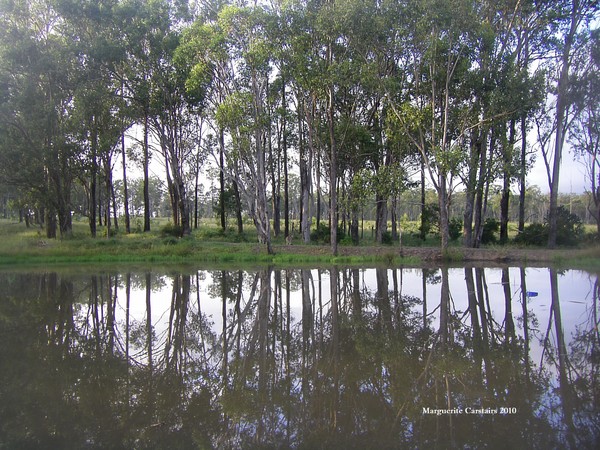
{"x": 386, "y": 238}
{"x": 533, "y": 234}
{"x": 455, "y": 228}
{"x": 430, "y": 220}
{"x": 170, "y": 229}
{"x": 490, "y": 228}
{"x": 570, "y": 229}
{"x": 322, "y": 234}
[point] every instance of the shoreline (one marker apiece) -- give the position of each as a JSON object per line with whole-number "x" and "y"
{"x": 157, "y": 252}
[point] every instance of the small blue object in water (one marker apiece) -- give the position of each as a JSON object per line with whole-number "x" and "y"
{"x": 531, "y": 294}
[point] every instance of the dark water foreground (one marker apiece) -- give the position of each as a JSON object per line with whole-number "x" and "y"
{"x": 344, "y": 358}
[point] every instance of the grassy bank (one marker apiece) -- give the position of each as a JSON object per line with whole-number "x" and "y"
{"x": 209, "y": 246}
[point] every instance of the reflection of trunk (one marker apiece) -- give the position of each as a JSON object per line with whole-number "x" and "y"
{"x": 335, "y": 344}
{"x": 396, "y": 291}
{"x": 485, "y": 332}
{"x": 474, "y": 313}
{"x": 307, "y": 328}
{"x": 509, "y": 324}
{"x": 307, "y": 311}
{"x": 62, "y": 295}
{"x": 110, "y": 312}
{"x": 264, "y": 305}
{"x": 224, "y": 366}
{"x": 525, "y": 327}
{"x": 383, "y": 298}
{"x": 127, "y": 325}
{"x": 356, "y": 302}
{"x": 149, "y": 330}
{"x": 424, "y": 289}
{"x": 445, "y": 332}
{"x": 94, "y": 311}
{"x": 174, "y": 347}
{"x": 561, "y": 350}
{"x": 149, "y": 339}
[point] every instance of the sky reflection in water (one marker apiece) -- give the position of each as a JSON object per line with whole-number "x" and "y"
{"x": 400, "y": 358}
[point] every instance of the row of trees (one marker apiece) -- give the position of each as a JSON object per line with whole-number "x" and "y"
{"x": 354, "y": 96}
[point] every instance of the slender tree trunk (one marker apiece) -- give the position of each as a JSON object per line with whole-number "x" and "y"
{"x": 196, "y": 177}
{"x": 50, "y": 221}
{"x": 276, "y": 204}
{"x": 507, "y": 169}
{"x": 286, "y": 192}
{"x": 260, "y": 203}
{"x": 114, "y": 201}
{"x": 146, "y": 176}
{"x": 108, "y": 175}
{"x": 304, "y": 180}
{"x": 481, "y": 183}
{"x": 394, "y": 218}
{"x": 93, "y": 181}
{"x": 238, "y": 207}
{"x": 444, "y": 204}
{"x": 562, "y": 105}
{"x": 275, "y": 187}
{"x": 522, "y": 173}
{"x": 333, "y": 213}
{"x": 125, "y": 191}
{"x": 381, "y": 217}
{"x": 470, "y": 190}
{"x": 222, "y": 177}
{"x": 422, "y": 231}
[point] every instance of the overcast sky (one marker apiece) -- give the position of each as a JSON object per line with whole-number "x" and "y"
{"x": 573, "y": 178}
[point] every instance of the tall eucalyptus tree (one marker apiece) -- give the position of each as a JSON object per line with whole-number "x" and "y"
{"x": 431, "y": 109}
{"x": 243, "y": 112}
{"x": 576, "y": 17}
{"x": 39, "y": 66}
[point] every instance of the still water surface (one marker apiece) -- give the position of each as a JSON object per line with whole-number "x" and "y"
{"x": 341, "y": 358}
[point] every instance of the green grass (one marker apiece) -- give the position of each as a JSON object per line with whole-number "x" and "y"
{"x": 209, "y": 245}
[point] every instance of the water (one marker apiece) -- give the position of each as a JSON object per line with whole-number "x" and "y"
{"x": 345, "y": 358}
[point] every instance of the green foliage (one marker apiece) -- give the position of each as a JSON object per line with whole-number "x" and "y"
{"x": 322, "y": 234}
{"x": 171, "y": 229}
{"x": 229, "y": 204}
{"x": 430, "y": 219}
{"x": 490, "y": 228}
{"x": 455, "y": 228}
{"x": 570, "y": 229}
{"x": 386, "y": 238}
{"x": 533, "y": 234}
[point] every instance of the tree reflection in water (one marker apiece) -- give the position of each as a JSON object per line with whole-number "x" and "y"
{"x": 338, "y": 358}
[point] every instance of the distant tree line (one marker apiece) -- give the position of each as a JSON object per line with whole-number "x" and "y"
{"x": 355, "y": 97}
